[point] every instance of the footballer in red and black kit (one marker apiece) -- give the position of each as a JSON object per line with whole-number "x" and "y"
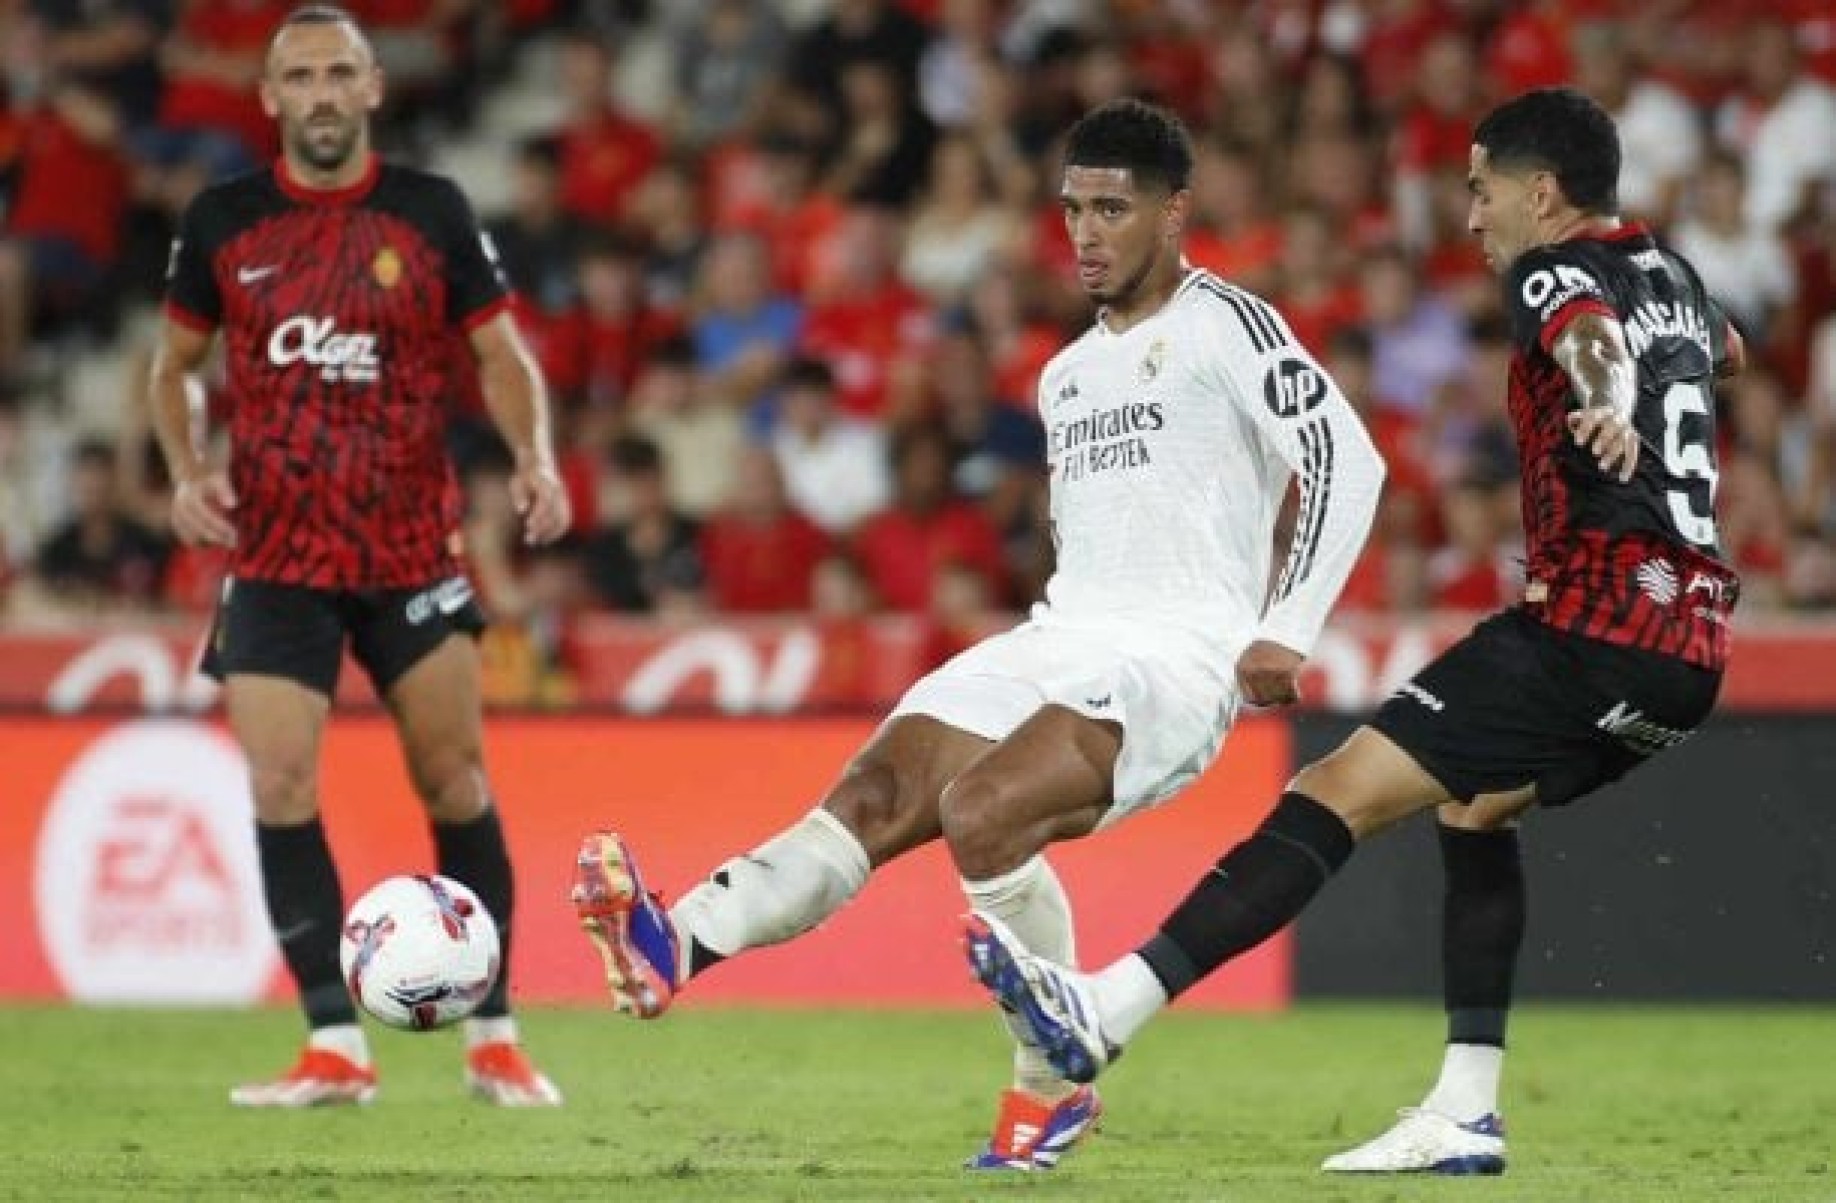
{"x": 342, "y": 289}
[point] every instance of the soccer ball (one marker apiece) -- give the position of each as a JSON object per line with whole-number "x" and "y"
{"x": 419, "y": 952}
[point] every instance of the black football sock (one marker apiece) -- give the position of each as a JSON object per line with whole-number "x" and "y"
{"x": 1482, "y": 930}
{"x": 306, "y": 907}
{"x": 474, "y": 854}
{"x": 1252, "y": 893}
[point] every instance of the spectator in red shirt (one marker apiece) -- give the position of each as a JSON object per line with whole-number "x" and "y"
{"x": 213, "y": 62}
{"x": 961, "y": 614}
{"x": 1437, "y": 130}
{"x": 770, "y": 190}
{"x": 1018, "y": 345}
{"x": 1316, "y": 294}
{"x": 760, "y": 554}
{"x": 1234, "y": 236}
{"x": 1393, "y": 44}
{"x": 62, "y": 231}
{"x": 1331, "y": 98}
{"x": 1528, "y": 49}
{"x": 1477, "y": 570}
{"x": 1338, "y": 173}
{"x": 594, "y": 353}
{"x": 604, "y": 153}
{"x": 863, "y": 319}
{"x": 926, "y": 527}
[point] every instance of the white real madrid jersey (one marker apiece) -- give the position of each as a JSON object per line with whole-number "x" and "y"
{"x": 1171, "y": 446}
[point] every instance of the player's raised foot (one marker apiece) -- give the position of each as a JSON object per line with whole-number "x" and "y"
{"x": 628, "y": 927}
{"x": 1053, "y": 1004}
{"x": 1032, "y": 1134}
{"x": 319, "y": 1078}
{"x": 1427, "y": 1142}
{"x": 500, "y": 1073}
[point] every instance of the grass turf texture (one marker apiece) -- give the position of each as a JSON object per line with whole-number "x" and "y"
{"x": 1620, "y": 1104}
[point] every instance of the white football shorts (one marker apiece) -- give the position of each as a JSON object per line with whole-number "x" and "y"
{"x": 1171, "y": 693}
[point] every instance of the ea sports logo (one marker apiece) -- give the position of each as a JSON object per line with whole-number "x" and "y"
{"x": 147, "y": 888}
{"x": 346, "y": 358}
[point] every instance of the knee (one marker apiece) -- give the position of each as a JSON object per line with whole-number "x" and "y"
{"x": 285, "y": 788}
{"x": 886, "y": 811}
{"x": 1335, "y": 784}
{"x": 451, "y": 785}
{"x": 973, "y": 812}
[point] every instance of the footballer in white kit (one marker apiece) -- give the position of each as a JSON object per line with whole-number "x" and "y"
{"x": 1175, "y": 425}
{"x": 1171, "y": 446}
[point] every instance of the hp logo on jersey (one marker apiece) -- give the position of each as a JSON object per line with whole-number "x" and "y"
{"x": 341, "y": 358}
{"x": 1293, "y": 388}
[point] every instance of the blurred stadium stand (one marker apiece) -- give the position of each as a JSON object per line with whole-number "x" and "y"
{"x": 777, "y": 256}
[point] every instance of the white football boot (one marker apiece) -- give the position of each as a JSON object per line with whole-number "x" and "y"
{"x": 1427, "y": 1142}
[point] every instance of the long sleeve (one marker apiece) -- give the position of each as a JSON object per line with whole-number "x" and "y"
{"x": 1303, "y": 419}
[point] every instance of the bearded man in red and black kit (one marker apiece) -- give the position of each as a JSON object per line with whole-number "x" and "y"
{"x": 1615, "y": 653}
{"x": 340, "y": 284}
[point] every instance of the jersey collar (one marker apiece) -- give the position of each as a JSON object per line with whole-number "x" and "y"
{"x": 1628, "y": 231}
{"x": 308, "y": 195}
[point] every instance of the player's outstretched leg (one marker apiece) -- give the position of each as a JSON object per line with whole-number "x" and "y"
{"x": 628, "y": 927}
{"x": 1054, "y": 1005}
{"x": 1427, "y": 1142}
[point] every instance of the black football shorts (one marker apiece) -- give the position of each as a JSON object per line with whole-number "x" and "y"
{"x": 1519, "y": 702}
{"x": 298, "y": 631}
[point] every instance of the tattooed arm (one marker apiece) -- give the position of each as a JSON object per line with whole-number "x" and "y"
{"x": 1592, "y": 351}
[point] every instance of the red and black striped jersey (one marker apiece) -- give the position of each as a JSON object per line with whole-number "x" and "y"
{"x": 339, "y": 311}
{"x": 1634, "y": 563}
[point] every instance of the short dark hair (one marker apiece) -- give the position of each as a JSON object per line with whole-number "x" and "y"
{"x": 318, "y": 14}
{"x": 635, "y": 455}
{"x": 809, "y": 372}
{"x": 93, "y": 451}
{"x": 1146, "y": 139}
{"x": 1563, "y": 132}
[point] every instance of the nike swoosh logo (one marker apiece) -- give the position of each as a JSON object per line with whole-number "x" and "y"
{"x": 248, "y": 275}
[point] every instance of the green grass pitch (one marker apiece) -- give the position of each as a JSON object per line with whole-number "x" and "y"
{"x": 1619, "y": 1105}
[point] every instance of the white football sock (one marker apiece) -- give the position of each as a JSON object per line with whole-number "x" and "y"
{"x": 1127, "y": 996}
{"x": 781, "y": 889}
{"x": 1468, "y": 1087}
{"x": 499, "y": 1029}
{"x": 1032, "y": 903}
{"x": 345, "y": 1039}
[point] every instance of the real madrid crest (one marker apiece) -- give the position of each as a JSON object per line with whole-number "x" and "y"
{"x": 1150, "y": 363}
{"x": 387, "y": 267}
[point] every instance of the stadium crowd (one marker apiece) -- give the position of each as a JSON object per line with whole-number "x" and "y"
{"x": 792, "y": 299}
